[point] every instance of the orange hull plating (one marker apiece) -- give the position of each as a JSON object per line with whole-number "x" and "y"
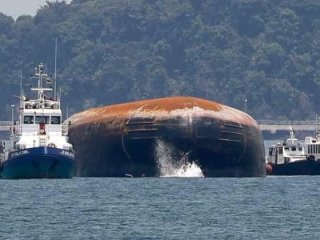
{"x": 121, "y": 139}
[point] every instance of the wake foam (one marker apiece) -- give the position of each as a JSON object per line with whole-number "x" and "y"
{"x": 170, "y": 165}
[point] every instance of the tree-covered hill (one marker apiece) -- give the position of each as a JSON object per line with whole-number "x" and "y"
{"x": 112, "y": 51}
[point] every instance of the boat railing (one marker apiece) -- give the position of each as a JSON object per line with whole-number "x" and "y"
{"x": 7, "y": 125}
{"x": 65, "y": 129}
{"x": 2, "y": 157}
{"x": 2, "y": 151}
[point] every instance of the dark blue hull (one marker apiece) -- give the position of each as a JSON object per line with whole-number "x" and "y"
{"x": 303, "y": 167}
{"x": 39, "y": 162}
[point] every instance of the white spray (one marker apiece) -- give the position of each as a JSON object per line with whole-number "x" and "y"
{"x": 170, "y": 167}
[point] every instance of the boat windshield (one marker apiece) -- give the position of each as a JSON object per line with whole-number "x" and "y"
{"x": 42, "y": 119}
{"x": 55, "y": 119}
{"x": 28, "y": 120}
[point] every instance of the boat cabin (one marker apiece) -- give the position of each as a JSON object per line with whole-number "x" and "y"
{"x": 282, "y": 153}
{"x": 288, "y": 151}
{"x": 312, "y": 146}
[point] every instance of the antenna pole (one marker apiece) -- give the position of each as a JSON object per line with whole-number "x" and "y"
{"x": 59, "y": 98}
{"x": 12, "y": 119}
{"x": 21, "y": 86}
{"x": 21, "y": 83}
{"x": 21, "y": 97}
{"x": 55, "y": 68}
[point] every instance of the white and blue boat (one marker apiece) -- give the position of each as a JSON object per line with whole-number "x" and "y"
{"x": 38, "y": 145}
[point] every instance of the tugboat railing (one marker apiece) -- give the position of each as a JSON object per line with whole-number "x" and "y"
{"x": 7, "y": 125}
{"x": 64, "y": 129}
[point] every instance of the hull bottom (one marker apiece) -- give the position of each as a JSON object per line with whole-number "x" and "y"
{"x": 39, "y": 162}
{"x": 303, "y": 167}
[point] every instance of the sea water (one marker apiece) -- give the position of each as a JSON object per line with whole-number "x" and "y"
{"x": 161, "y": 208}
{"x": 181, "y": 204}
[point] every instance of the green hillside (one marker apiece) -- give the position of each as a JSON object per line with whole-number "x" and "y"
{"x": 112, "y": 51}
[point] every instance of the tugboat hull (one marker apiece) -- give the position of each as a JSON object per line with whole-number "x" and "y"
{"x": 126, "y": 139}
{"x": 303, "y": 167}
{"x": 39, "y": 162}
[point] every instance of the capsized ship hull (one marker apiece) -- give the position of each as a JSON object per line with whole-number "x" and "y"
{"x": 128, "y": 139}
{"x": 39, "y": 162}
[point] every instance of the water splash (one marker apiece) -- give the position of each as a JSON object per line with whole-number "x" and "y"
{"x": 187, "y": 170}
{"x": 170, "y": 165}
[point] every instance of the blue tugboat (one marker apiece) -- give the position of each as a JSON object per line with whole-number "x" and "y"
{"x": 38, "y": 145}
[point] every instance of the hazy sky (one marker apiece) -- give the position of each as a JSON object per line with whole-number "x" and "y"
{"x": 16, "y": 8}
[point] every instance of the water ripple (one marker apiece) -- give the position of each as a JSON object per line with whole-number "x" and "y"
{"x": 161, "y": 208}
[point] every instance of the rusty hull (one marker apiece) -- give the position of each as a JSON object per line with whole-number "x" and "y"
{"x": 118, "y": 140}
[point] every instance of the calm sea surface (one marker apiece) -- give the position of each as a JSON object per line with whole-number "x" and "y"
{"x": 161, "y": 208}
{"x": 179, "y": 207}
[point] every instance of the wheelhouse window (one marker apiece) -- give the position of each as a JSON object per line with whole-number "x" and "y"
{"x": 42, "y": 119}
{"x": 55, "y": 119}
{"x": 28, "y": 120}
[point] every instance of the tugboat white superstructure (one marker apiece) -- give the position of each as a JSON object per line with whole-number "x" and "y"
{"x": 291, "y": 150}
{"x": 38, "y": 146}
